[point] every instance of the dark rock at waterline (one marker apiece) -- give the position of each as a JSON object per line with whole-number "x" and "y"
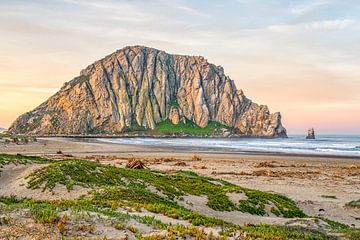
{"x": 310, "y": 134}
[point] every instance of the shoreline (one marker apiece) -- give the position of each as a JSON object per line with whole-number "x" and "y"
{"x": 305, "y": 179}
{"x": 235, "y": 152}
{"x": 145, "y": 148}
{"x": 165, "y": 136}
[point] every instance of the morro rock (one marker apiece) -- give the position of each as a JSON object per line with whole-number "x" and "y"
{"x": 143, "y": 86}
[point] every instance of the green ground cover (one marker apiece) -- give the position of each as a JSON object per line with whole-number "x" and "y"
{"x": 133, "y": 183}
{"x": 190, "y": 128}
{"x": 354, "y": 204}
{"x": 6, "y": 159}
{"x": 52, "y": 212}
{"x": 167, "y": 128}
{"x": 112, "y": 188}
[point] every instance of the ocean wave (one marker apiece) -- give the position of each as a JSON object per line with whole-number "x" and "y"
{"x": 331, "y": 145}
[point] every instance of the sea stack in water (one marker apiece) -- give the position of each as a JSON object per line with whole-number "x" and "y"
{"x": 141, "y": 86}
{"x": 310, "y": 134}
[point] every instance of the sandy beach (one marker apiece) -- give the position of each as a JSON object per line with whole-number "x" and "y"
{"x": 320, "y": 185}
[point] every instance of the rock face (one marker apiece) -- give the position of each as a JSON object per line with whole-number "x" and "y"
{"x": 310, "y": 134}
{"x": 144, "y": 86}
{"x": 174, "y": 115}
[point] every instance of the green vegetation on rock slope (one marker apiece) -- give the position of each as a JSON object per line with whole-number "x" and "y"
{"x": 189, "y": 128}
{"x": 167, "y": 128}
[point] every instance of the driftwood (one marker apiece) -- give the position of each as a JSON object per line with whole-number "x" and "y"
{"x": 198, "y": 167}
{"x": 182, "y": 164}
{"x": 264, "y": 164}
{"x": 135, "y": 164}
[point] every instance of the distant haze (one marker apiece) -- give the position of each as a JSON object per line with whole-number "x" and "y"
{"x": 301, "y": 58}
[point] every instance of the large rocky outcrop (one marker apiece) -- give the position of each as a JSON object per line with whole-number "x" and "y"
{"x": 142, "y": 86}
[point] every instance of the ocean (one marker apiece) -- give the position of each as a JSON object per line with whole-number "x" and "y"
{"x": 336, "y": 145}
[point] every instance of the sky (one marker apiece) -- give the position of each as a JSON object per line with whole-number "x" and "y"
{"x": 301, "y": 58}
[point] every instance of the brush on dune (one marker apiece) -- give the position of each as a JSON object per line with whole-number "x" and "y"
{"x": 135, "y": 164}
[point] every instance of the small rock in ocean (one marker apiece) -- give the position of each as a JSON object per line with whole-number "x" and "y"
{"x": 311, "y": 134}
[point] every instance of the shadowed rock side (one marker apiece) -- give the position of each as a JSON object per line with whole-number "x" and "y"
{"x": 139, "y": 86}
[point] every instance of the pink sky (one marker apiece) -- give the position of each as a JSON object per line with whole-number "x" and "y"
{"x": 301, "y": 59}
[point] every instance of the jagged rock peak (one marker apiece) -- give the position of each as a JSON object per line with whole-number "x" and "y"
{"x": 141, "y": 86}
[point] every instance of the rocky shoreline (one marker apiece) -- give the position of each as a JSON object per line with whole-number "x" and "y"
{"x": 153, "y": 136}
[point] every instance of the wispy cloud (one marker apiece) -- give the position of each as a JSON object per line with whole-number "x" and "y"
{"x": 122, "y": 11}
{"x": 331, "y": 24}
{"x": 192, "y": 11}
{"x": 307, "y": 7}
{"x": 338, "y": 24}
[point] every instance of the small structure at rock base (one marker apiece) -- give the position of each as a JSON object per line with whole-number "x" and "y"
{"x": 310, "y": 134}
{"x": 135, "y": 164}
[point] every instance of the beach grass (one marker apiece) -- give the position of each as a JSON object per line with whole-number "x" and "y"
{"x": 4, "y": 135}
{"x": 112, "y": 188}
{"x": 18, "y": 159}
{"x": 170, "y": 187}
{"x": 52, "y": 212}
{"x": 329, "y": 196}
{"x": 353, "y": 204}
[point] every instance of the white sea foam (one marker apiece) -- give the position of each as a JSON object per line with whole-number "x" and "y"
{"x": 332, "y": 145}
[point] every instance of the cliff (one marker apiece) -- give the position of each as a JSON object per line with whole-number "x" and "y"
{"x": 141, "y": 86}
